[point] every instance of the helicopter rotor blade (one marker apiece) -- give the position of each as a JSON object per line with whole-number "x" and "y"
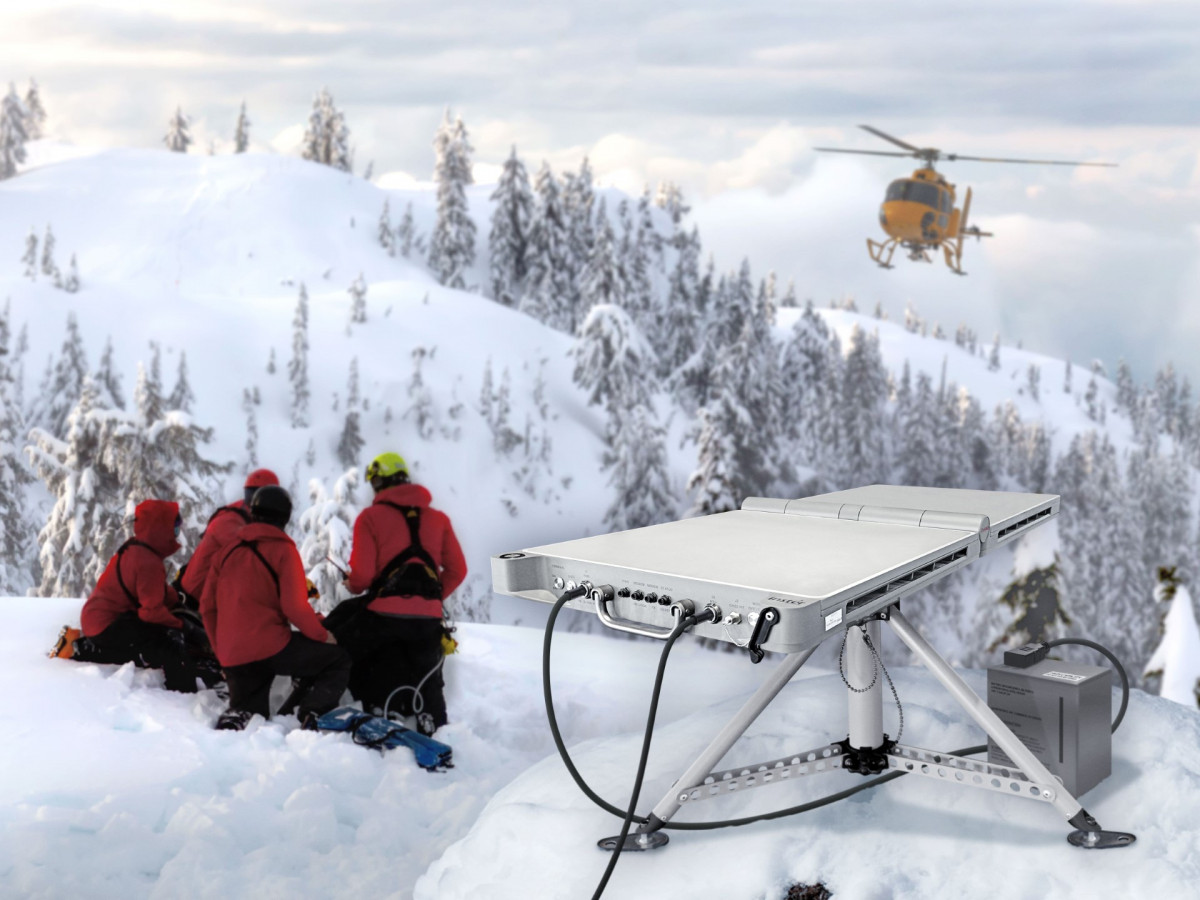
{"x": 888, "y": 137}
{"x": 951, "y": 157}
{"x": 864, "y": 152}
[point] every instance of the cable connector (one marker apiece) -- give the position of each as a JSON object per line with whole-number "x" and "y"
{"x": 1026, "y": 656}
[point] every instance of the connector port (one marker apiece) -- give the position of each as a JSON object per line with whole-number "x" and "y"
{"x": 664, "y": 600}
{"x": 623, "y": 592}
{"x": 652, "y": 597}
{"x": 637, "y": 595}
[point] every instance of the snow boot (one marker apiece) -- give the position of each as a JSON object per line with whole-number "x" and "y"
{"x": 64, "y": 647}
{"x": 233, "y": 720}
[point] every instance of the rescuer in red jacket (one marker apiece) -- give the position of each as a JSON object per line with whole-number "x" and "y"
{"x": 397, "y": 640}
{"x": 222, "y": 526}
{"x": 255, "y": 592}
{"x": 129, "y": 618}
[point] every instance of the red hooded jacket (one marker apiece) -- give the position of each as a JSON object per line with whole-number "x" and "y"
{"x": 142, "y": 571}
{"x": 223, "y": 525}
{"x": 380, "y": 534}
{"x": 247, "y": 615}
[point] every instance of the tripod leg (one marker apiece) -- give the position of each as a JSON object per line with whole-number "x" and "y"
{"x": 727, "y": 737}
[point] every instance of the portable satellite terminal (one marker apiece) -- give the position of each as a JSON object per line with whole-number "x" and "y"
{"x": 834, "y": 564}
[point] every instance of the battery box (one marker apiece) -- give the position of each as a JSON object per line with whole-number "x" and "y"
{"x": 1061, "y": 711}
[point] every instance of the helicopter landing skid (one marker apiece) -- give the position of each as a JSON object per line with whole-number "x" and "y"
{"x": 882, "y": 253}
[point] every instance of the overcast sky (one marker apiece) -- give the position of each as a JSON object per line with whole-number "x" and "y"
{"x": 729, "y": 101}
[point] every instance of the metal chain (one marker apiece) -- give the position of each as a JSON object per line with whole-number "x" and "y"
{"x": 878, "y": 666}
{"x": 842, "y": 662}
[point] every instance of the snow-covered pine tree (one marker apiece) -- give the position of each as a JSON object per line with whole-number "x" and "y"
{"x": 326, "y": 531}
{"x": 65, "y": 385}
{"x": 49, "y": 267}
{"x": 1127, "y": 392}
{"x": 358, "y": 300}
{"x": 271, "y": 362}
{"x": 711, "y": 484}
{"x": 327, "y": 139}
{"x": 108, "y": 379}
{"x": 406, "y": 233}
{"x": 452, "y": 245}
{"x": 31, "y": 255}
{"x": 178, "y": 138}
{"x": 35, "y": 121}
{"x": 994, "y": 355}
{"x": 251, "y": 429}
{"x": 241, "y": 132}
{"x": 509, "y": 237}
{"x": 14, "y": 132}
{"x": 917, "y": 460}
{"x": 181, "y": 397}
{"x": 16, "y": 557}
{"x": 600, "y": 282}
{"x": 864, "y": 393}
{"x": 385, "y": 232}
{"x": 670, "y": 197}
{"x": 351, "y": 443}
{"x": 548, "y": 285}
{"x": 680, "y": 323}
{"x": 1034, "y": 382}
{"x": 504, "y": 438}
{"x": 421, "y": 406}
{"x": 487, "y": 396}
{"x": 162, "y": 457}
{"x": 1067, "y": 378}
{"x": 1176, "y": 659}
{"x": 637, "y": 249}
{"x": 86, "y": 522}
{"x": 612, "y": 359}
{"x": 579, "y": 201}
{"x": 71, "y": 284}
{"x": 637, "y": 462}
{"x": 298, "y": 364}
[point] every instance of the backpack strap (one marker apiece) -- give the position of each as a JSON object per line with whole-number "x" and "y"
{"x": 412, "y": 518}
{"x": 253, "y": 547}
{"x": 132, "y": 542}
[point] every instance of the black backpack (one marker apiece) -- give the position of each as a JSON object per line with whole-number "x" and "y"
{"x": 412, "y": 572}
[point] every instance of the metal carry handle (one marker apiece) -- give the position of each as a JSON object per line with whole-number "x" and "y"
{"x": 601, "y": 595}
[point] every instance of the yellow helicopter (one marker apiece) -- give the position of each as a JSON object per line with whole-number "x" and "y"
{"x": 918, "y": 213}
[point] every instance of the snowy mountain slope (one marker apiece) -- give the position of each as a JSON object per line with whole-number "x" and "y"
{"x": 206, "y": 255}
{"x": 1064, "y": 413}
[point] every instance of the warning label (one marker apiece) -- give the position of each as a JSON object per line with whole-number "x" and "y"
{"x": 833, "y": 620}
{"x": 1064, "y": 676}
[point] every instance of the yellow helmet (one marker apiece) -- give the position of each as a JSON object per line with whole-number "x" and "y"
{"x": 386, "y": 467}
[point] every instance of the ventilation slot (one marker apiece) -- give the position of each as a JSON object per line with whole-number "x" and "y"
{"x": 905, "y": 580}
{"x": 1029, "y": 520}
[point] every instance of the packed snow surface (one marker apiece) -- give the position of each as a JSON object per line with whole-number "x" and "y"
{"x": 114, "y": 787}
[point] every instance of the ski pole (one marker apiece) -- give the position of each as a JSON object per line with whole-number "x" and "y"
{"x": 333, "y": 562}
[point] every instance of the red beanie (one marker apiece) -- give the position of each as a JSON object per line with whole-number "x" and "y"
{"x": 261, "y": 478}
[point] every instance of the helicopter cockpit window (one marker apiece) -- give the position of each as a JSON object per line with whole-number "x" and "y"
{"x": 895, "y": 190}
{"x": 925, "y": 194}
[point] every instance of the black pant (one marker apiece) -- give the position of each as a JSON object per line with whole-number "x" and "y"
{"x": 392, "y": 652}
{"x": 129, "y": 639}
{"x": 325, "y": 669}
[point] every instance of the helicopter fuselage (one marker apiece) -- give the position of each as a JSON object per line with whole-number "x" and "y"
{"x": 920, "y": 210}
